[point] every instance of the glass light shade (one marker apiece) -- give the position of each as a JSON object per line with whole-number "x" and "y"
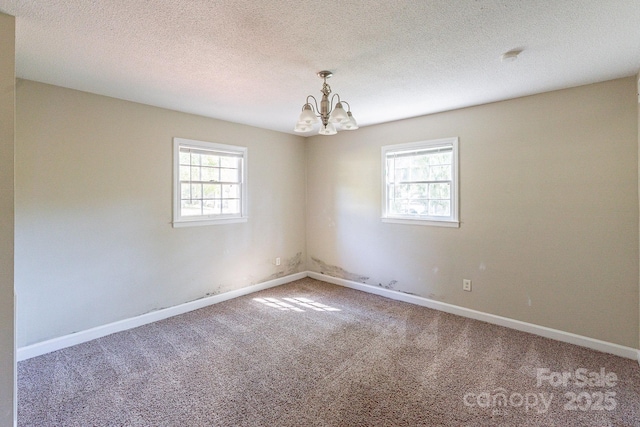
{"x": 351, "y": 123}
{"x": 307, "y": 116}
{"x": 329, "y": 129}
{"x": 338, "y": 115}
{"x": 302, "y": 127}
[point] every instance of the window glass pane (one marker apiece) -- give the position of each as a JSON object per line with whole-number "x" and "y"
{"x": 209, "y": 174}
{"x": 210, "y": 207}
{"x": 420, "y": 161}
{"x": 231, "y": 191}
{"x": 419, "y": 173}
{"x": 403, "y": 162}
{"x": 401, "y": 174}
{"x": 402, "y": 206}
{"x": 229, "y": 175}
{"x": 195, "y": 173}
{"x": 417, "y": 191}
{"x": 399, "y": 206}
{"x": 230, "y": 206}
{"x": 211, "y": 191}
{"x": 191, "y": 208}
{"x": 440, "y": 173}
{"x": 439, "y": 191}
{"x": 184, "y": 158}
{"x": 439, "y": 207}
{"x": 195, "y": 159}
{"x": 402, "y": 191}
{"x": 441, "y": 159}
{"x": 184, "y": 173}
{"x": 210, "y": 160}
{"x": 196, "y": 191}
{"x": 184, "y": 191}
{"x": 229, "y": 162}
{"x": 417, "y": 207}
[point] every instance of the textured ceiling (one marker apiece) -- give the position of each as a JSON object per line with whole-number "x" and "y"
{"x": 254, "y": 62}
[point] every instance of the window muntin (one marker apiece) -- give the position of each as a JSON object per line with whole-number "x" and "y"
{"x": 209, "y": 183}
{"x": 420, "y": 182}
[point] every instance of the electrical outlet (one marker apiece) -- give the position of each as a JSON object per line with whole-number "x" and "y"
{"x": 278, "y": 261}
{"x": 466, "y": 285}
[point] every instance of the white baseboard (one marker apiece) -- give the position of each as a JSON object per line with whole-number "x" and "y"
{"x": 555, "y": 334}
{"x": 59, "y": 343}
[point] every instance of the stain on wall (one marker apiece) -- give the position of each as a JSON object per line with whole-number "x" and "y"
{"x": 216, "y": 291}
{"x": 294, "y": 264}
{"x": 289, "y": 266}
{"x": 335, "y": 271}
{"x": 391, "y": 285}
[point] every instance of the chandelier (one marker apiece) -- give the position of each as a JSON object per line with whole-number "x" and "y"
{"x": 328, "y": 114}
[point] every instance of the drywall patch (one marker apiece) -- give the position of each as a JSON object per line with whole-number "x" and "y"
{"x": 335, "y": 271}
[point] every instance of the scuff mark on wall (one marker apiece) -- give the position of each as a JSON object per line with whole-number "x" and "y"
{"x": 292, "y": 265}
{"x": 335, "y": 271}
{"x": 409, "y": 293}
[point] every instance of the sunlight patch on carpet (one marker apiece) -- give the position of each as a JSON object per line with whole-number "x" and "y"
{"x": 294, "y": 304}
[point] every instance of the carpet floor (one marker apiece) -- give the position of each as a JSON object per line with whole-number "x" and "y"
{"x": 310, "y": 353}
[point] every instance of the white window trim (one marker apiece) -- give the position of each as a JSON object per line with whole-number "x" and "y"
{"x": 453, "y": 220}
{"x": 178, "y": 220}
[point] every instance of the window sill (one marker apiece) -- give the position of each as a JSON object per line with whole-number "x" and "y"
{"x": 201, "y": 222}
{"x": 429, "y": 222}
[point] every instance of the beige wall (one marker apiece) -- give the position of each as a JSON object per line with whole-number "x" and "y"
{"x": 7, "y": 120}
{"x": 94, "y": 241}
{"x": 549, "y": 211}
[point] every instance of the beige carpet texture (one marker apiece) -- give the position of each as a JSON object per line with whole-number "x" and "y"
{"x": 310, "y": 353}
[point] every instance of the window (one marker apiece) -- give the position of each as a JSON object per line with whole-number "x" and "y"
{"x": 421, "y": 183}
{"x": 209, "y": 183}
